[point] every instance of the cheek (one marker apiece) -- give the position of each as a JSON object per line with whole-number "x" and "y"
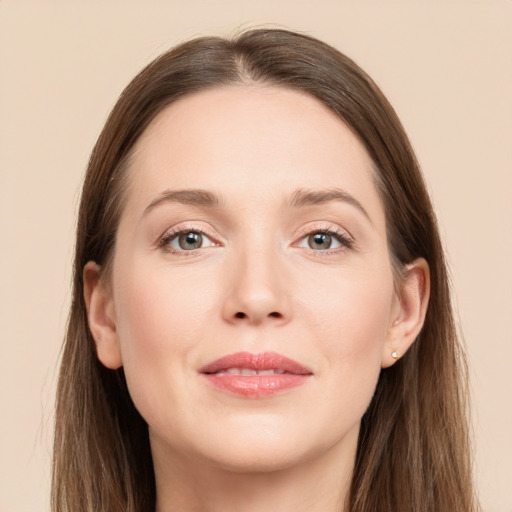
{"x": 147, "y": 312}
{"x": 351, "y": 323}
{"x": 352, "y": 312}
{"x": 160, "y": 319}
{"x": 157, "y": 309}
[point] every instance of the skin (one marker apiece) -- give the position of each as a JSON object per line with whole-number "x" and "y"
{"x": 256, "y": 285}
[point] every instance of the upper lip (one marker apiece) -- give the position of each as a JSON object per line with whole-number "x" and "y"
{"x": 263, "y": 361}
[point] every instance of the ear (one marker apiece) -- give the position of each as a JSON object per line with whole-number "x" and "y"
{"x": 101, "y": 316}
{"x": 408, "y": 312}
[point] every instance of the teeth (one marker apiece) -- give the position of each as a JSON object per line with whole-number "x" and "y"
{"x": 249, "y": 372}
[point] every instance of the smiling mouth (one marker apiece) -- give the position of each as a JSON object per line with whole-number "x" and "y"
{"x": 255, "y": 375}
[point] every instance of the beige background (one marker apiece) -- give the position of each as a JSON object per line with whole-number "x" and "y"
{"x": 447, "y": 68}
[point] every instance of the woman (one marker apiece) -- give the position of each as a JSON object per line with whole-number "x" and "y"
{"x": 261, "y": 316}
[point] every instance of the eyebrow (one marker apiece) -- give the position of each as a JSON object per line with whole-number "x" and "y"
{"x": 299, "y": 199}
{"x": 304, "y": 197}
{"x": 192, "y": 197}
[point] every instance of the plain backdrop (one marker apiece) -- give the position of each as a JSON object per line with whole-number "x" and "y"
{"x": 446, "y": 66}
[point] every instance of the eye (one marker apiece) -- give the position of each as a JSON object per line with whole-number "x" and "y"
{"x": 325, "y": 240}
{"x": 186, "y": 240}
{"x": 321, "y": 241}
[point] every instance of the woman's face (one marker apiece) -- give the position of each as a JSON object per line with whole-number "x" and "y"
{"x": 252, "y": 235}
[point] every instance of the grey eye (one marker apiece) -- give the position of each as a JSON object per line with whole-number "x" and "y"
{"x": 188, "y": 241}
{"x": 325, "y": 240}
{"x": 321, "y": 241}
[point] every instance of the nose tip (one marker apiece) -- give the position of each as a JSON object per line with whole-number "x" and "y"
{"x": 258, "y": 294}
{"x": 254, "y": 312}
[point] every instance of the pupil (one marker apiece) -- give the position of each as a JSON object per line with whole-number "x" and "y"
{"x": 190, "y": 240}
{"x": 320, "y": 241}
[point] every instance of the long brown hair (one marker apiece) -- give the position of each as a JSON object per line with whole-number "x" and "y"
{"x": 413, "y": 452}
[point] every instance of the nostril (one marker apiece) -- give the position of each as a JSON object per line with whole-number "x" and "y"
{"x": 274, "y": 314}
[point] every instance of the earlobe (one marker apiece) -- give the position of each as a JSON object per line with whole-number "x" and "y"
{"x": 101, "y": 317}
{"x": 409, "y": 314}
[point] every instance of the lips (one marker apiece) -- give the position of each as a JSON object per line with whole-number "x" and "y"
{"x": 255, "y": 375}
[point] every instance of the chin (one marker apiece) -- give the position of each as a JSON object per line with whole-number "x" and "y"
{"x": 257, "y": 459}
{"x": 262, "y": 449}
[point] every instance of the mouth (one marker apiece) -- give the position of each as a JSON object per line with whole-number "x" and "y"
{"x": 255, "y": 375}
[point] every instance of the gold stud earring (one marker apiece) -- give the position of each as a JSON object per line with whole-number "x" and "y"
{"x": 394, "y": 354}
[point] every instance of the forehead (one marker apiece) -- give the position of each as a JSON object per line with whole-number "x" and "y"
{"x": 249, "y": 138}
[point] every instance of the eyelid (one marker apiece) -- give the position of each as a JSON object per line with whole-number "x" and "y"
{"x": 342, "y": 235}
{"x": 174, "y": 231}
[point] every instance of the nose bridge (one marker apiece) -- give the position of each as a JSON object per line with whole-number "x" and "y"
{"x": 257, "y": 291}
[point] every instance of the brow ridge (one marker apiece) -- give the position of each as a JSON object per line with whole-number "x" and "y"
{"x": 193, "y": 197}
{"x": 299, "y": 199}
{"x": 305, "y": 197}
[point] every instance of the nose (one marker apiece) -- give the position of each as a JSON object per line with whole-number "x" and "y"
{"x": 258, "y": 291}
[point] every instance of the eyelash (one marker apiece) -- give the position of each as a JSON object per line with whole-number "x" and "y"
{"x": 346, "y": 242}
{"x": 169, "y": 236}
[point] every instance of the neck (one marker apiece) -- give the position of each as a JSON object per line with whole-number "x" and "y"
{"x": 319, "y": 484}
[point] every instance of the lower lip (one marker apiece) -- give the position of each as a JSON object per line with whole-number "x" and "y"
{"x": 255, "y": 386}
